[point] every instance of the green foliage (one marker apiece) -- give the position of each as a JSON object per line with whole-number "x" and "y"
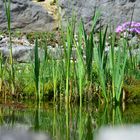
{"x": 117, "y": 66}
{"x": 93, "y": 65}
{"x": 101, "y": 61}
{"x": 12, "y": 72}
{"x": 37, "y": 70}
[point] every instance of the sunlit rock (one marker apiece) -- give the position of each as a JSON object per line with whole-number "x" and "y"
{"x": 131, "y": 132}
{"x": 26, "y": 16}
{"x": 113, "y": 12}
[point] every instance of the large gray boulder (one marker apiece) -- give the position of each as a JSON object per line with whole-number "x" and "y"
{"x": 27, "y": 16}
{"x": 113, "y": 12}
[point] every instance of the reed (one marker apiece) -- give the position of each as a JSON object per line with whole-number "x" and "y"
{"x": 80, "y": 66}
{"x": 101, "y": 60}
{"x": 117, "y": 66}
{"x": 1, "y": 72}
{"x": 89, "y": 45}
{"x": 12, "y": 72}
{"x": 68, "y": 51}
{"x": 37, "y": 71}
{"x": 43, "y": 68}
{"x": 55, "y": 69}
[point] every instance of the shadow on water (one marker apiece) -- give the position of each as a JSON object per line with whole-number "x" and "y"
{"x": 67, "y": 123}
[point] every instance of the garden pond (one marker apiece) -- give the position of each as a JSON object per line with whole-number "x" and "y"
{"x": 61, "y": 123}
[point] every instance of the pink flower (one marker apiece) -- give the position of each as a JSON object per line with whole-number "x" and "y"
{"x": 129, "y": 26}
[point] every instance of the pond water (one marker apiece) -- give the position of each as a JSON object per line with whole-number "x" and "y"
{"x": 62, "y": 123}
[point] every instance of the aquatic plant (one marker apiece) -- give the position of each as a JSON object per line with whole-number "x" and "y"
{"x": 73, "y": 76}
{"x": 117, "y": 61}
{"x": 80, "y": 66}
{"x": 12, "y": 72}
{"x": 68, "y": 51}
{"x": 100, "y": 58}
{"x": 37, "y": 71}
{"x": 1, "y": 71}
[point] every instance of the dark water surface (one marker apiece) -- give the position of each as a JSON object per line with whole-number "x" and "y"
{"x": 63, "y": 123}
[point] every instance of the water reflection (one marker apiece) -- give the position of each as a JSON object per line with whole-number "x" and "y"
{"x": 67, "y": 123}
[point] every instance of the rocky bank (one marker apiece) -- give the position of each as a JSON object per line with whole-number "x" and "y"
{"x": 27, "y": 16}
{"x": 113, "y": 12}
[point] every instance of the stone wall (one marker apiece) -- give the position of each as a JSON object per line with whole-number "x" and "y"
{"x": 26, "y": 15}
{"x": 113, "y": 12}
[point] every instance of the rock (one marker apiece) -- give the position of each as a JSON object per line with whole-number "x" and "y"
{"x": 113, "y": 12}
{"x": 130, "y": 132}
{"x": 134, "y": 42}
{"x": 23, "y": 51}
{"x": 26, "y": 16}
{"x": 21, "y": 134}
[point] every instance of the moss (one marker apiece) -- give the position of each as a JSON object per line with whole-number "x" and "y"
{"x": 132, "y": 90}
{"x": 52, "y": 38}
{"x": 29, "y": 90}
{"x": 48, "y": 88}
{"x": 132, "y": 113}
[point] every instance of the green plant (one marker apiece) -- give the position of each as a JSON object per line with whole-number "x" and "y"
{"x": 1, "y": 71}
{"x": 101, "y": 61}
{"x": 80, "y": 66}
{"x": 117, "y": 66}
{"x": 67, "y": 53}
{"x": 12, "y": 72}
{"x": 37, "y": 71}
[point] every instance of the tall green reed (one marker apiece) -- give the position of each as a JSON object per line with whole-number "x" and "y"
{"x": 101, "y": 60}
{"x": 117, "y": 67}
{"x": 1, "y": 71}
{"x": 55, "y": 69}
{"x": 68, "y": 51}
{"x": 37, "y": 71}
{"x": 12, "y": 72}
{"x": 89, "y": 45}
{"x": 80, "y": 66}
{"x": 85, "y": 42}
{"x": 43, "y": 67}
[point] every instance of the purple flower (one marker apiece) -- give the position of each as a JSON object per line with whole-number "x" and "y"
{"x": 129, "y": 26}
